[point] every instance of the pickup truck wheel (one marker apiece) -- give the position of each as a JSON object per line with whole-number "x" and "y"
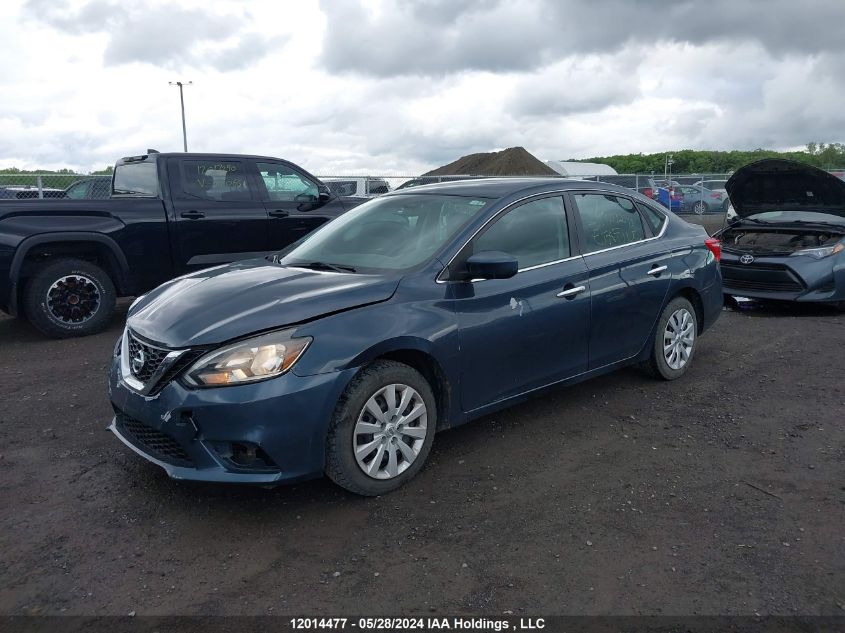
{"x": 382, "y": 429}
{"x": 69, "y": 297}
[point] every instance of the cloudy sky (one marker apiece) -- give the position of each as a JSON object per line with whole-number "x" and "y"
{"x": 400, "y": 86}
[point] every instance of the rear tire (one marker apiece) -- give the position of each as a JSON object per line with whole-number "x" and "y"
{"x": 674, "y": 342}
{"x": 699, "y": 208}
{"x": 69, "y": 297}
{"x": 363, "y": 452}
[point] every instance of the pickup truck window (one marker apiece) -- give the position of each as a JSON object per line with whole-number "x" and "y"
{"x": 215, "y": 180}
{"x": 343, "y": 187}
{"x": 284, "y": 184}
{"x": 139, "y": 179}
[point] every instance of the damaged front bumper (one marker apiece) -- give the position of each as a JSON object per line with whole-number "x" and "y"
{"x": 262, "y": 433}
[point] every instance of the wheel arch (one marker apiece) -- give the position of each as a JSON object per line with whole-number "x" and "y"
{"x": 418, "y": 354}
{"x": 691, "y": 294}
{"x": 95, "y": 247}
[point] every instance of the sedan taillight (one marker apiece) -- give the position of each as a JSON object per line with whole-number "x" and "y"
{"x": 714, "y": 246}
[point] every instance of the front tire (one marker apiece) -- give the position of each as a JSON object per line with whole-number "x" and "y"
{"x": 674, "y": 341}
{"x": 69, "y": 297}
{"x": 382, "y": 429}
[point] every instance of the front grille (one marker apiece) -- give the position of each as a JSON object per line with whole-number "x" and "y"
{"x": 760, "y": 278}
{"x": 144, "y": 359}
{"x": 157, "y": 444}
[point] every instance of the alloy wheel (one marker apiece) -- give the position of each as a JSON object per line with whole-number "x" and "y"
{"x": 390, "y": 431}
{"x": 73, "y": 299}
{"x": 678, "y": 338}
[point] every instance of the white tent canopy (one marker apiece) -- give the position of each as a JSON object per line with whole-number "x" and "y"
{"x": 572, "y": 168}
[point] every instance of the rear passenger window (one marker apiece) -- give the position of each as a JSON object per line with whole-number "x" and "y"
{"x": 653, "y": 218}
{"x": 215, "y": 180}
{"x": 535, "y": 233}
{"x": 608, "y": 221}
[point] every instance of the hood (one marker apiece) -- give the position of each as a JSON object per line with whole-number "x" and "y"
{"x": 775, "y": 184}
{"x": 219, "y": 304}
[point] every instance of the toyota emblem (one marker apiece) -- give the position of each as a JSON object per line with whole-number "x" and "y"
{"x": 746, "y": 259}
{"x": 138, "y": 360}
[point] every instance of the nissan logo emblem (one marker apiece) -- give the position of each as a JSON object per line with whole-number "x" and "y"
{"x": 138, "y": 360}
{"x": 746, "y": 259}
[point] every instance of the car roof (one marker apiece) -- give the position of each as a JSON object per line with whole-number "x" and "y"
{"x": 502, "y": 187}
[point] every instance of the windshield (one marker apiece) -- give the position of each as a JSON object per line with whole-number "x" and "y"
{"x": 387, "y": 234}
{"x": 797, "y": 216}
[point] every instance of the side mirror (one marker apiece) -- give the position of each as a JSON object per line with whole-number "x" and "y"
{"x": 491, "y": 265}
{"x": 323, "y": 192}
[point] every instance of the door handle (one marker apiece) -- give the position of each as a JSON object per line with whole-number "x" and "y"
{"x": 279, "y": 213}
{"x": 657, "y": 270}
{"x": 570, "y": 293}
{"x": 193, "y": 215}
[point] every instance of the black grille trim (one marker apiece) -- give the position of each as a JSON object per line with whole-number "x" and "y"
{"x": 157, "y": 444}
{"x": 153, "y": 358}
{"x": 760, "y": 278}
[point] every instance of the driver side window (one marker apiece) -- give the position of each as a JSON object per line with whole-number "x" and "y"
{"x": 535, "y": 233}
{"x": 285, "y": 185}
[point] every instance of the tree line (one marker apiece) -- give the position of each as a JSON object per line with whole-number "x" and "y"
{"x": 688, "y": 161}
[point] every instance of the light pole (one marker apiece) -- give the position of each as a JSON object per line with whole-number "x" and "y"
{"x": 182, "y": 100}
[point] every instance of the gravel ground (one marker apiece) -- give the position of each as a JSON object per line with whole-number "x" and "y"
{"x": 721, "y": 493}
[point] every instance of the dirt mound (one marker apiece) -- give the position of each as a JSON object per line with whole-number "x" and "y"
{"x": 514, "y": 161}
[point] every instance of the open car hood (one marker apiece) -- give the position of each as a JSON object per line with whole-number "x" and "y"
{"x": 775, "y": 184}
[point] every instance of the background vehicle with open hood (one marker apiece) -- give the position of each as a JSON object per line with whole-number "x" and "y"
{"x": 785, "y": 236}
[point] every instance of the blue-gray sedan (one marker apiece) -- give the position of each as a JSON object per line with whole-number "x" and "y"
{"x": 415, "y": 312}
{"x": 786, "y": 236}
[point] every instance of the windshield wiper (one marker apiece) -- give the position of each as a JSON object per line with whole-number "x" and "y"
{"x": 338, "y": 268}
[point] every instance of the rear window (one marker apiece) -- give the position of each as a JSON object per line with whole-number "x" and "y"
{"x": 653, "y": 218}
{"x": 343, "y": 187}
{"x": 136, "y": 179}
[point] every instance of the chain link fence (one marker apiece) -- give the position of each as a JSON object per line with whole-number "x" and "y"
{"x": 682, "y": 193}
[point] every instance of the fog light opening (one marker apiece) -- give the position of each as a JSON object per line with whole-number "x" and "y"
{"x": 250, "y": 456}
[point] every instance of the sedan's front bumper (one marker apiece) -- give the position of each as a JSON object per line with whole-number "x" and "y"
{"x": 784, "y": 278}
{"x": 201, "y": 434}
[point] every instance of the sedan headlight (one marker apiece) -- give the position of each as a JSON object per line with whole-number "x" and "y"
{"x": 250, "y": 360}
{"x": 821, "y": 253}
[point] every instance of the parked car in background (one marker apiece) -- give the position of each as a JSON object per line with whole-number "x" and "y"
{"x": 27, "y": 192}
{"x": 717, "y": 186}
{"x": 785, "y": 237}
{"x": 417, "y": 311}
{"x": 687, "y": 180}
{"x": 63, "y": 262}
{"x": 642, "y": 184}
{"x": 362, "y": 187}
{"x": 700, "y": 200}
{"x": 92, "y": 188}
{"x": 670, "y": 197}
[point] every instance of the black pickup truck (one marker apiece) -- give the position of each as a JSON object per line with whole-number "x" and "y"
{"x": 63, "y": 262}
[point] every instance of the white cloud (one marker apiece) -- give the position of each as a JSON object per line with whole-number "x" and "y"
{"x": 343, "y": 87}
